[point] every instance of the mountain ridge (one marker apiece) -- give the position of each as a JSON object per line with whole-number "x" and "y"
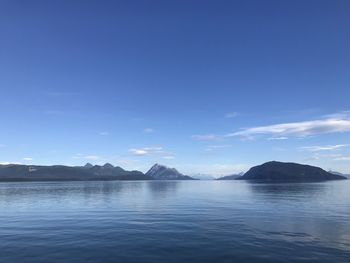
{"x": 19, "y": 172}
{"x": 270, "y": 171}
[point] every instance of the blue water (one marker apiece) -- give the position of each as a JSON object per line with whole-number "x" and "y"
{"x": 183, "y": 221}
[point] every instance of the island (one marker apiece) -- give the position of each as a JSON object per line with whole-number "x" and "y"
{"x": 288, "y": 172}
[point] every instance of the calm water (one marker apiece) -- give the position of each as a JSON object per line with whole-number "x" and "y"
{"x": 206, "y": 221}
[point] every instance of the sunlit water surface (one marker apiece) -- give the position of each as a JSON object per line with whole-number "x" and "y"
{"x": 174, "y": 221}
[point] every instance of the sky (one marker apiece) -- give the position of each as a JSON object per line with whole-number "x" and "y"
{"x": 210, "y": 87}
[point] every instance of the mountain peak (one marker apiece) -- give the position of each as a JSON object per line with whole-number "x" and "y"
{"x": 88, "y": 165}
{"x": 157, "y": 165}
{"x": 162, "y": 172}
{"x": 108, "y": 166}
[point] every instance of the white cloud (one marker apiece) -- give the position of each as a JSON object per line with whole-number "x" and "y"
{"x": 148, "y": 130}
{"x": 28, "y": 159}
{"x": 2, "y": 145}
{"x": 138, "y": 152}
{"x": 152, "y": 151}
{"x": 277, "y": 138}
{"x": 146, "y": 151}
{"x": 298, "y": 129}
{"x": 324, "y": 148}
{"x": 231, "y": 115}
{"x": 104, "y": 133}
{"x": 343, "y": 158}
{"x": 206, "y": 137}
{"x": 91, "y": 157}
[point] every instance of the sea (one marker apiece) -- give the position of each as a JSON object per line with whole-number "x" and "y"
{"x": 174, "y": 221}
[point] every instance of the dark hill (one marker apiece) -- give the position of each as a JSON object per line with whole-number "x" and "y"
{"x": 279, "y": 171}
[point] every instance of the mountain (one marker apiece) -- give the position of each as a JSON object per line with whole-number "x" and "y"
{"x": 161, "y": 172}
{"x": 108, "y": 166}
{"x": 203, "y": 177}
{"x": 279, "y": 171}
{"x": 88, "y": 165}
{"x": 14, "y": 172}
{"x": 231, "y": 177}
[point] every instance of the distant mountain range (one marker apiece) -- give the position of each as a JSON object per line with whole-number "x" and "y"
{"x": 270, "y": 171}
{"x": 279, "y": 171}
{"x": 230, "y": 177}
{"x": 15, "y": 172}
{"x": 89, "y": 172}
{"x": 200, "y": 176}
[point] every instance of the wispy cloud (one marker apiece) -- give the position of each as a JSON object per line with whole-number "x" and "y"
{"x": 324, "y": 148}
{"x": 104, "y": 133}
{"x": 28, "y": 159}
{"x": 148, "y": 130}
{"x": 231, "y": 115}
{"x": 338, "y": 115}
{"x": 138, "y": 152}
{"x": 87, "y": 157}
{"x": 218, "y": 147}
{"x": 298, "y": 129}
{"x": 277, "y": 138}
{"x": 2, "y": 145}
{"x": 152, "y": 151}
{"x": 318, "y": 156}
{"x": 343, "y": 158}
{"x": 146, "y": 151}
{"x": 206, "y": 137}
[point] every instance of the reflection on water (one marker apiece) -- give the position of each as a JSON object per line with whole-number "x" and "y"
{"x": 161, "y": 189}
{"x": 288, "y": 189}
{"x": 174, "y": 221}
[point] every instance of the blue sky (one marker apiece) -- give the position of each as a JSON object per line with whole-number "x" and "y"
{"x": 205, "y": 86}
